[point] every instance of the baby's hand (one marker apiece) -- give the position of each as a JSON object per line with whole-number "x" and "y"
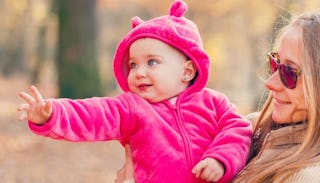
{"x": 35, "y": 109}
{"x": 209, "y": 170}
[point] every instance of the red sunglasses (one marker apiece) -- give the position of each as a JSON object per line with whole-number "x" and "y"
{"x": 288, "y": 75}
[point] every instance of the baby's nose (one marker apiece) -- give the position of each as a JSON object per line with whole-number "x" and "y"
{"x": 142, "y": 71}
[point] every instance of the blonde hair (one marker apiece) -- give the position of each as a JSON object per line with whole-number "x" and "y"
{"x": 308, "y": 153}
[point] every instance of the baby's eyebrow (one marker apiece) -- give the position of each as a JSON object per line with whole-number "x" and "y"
{"x": 153, "y": 55}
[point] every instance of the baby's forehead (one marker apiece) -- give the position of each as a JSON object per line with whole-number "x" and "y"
{"x": 154, "y": 46}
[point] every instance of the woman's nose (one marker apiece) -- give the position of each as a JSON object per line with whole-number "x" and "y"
{"x": 273, "y": 82}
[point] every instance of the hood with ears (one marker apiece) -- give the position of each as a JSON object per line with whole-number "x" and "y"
{"x": 172, "y": 29}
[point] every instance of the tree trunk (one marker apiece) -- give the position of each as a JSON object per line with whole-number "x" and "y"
{"x": 78, "y": 74}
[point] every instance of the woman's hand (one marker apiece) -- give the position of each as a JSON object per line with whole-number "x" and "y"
{"x": 35, "y": 109}
{"x": 126, "y": 173}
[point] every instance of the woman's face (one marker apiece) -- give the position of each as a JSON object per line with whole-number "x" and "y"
{"x": 289, "y": 104}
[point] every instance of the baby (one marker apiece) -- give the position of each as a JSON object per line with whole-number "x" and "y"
{"x": 172, "y": 122}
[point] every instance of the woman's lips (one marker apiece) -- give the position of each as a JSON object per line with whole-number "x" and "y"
{"x": 278, "y": 101}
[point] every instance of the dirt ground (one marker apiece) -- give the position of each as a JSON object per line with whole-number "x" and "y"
{"x": 27, "y": 158}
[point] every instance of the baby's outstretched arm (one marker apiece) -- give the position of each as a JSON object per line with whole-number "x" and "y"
{"x": 209, "y": 169}
{"x": 35, "y": 109}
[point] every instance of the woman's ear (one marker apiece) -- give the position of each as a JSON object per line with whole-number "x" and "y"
{"x": 189, "y": 71}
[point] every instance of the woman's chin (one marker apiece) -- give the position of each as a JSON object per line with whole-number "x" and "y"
{"x": 280, "y": 118}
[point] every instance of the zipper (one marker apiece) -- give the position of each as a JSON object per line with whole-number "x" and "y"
{"x": 184, "y": 137}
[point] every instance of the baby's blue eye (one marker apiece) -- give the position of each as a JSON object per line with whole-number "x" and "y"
{"x": 132, "y": 65}
{"x": 152, "y": 62}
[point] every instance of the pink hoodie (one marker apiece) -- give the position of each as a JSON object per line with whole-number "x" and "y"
{"x": 167, "y": 140}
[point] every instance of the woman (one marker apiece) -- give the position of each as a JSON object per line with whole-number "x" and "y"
{"x": 286, "y": 141}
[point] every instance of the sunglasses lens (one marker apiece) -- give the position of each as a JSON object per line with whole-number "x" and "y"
{"x": 288, "y": 76}
{"x": 272, "y": 64}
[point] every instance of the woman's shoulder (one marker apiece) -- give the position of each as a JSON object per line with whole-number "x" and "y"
{"x": 308, "y": 174}
{"x": 252, "y": 117}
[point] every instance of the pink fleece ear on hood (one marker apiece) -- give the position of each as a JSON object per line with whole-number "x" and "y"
{"x": 135, "y": 21}
{"x": 174, "y": 30}
{"x": 178, "y": 9}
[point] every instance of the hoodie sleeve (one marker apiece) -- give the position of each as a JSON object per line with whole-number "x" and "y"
{"x": 232, "y": 144}
{"x": 93, "y": 119}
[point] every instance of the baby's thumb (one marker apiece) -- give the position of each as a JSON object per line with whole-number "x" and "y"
{"x": 48, "y": 108}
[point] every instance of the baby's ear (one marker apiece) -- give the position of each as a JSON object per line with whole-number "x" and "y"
{"x": 190, "y": 71}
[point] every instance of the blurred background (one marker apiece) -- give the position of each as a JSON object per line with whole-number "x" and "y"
{"x": 65, "y": 47}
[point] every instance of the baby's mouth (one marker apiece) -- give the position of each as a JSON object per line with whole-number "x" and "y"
{"x": 144, "y": 86}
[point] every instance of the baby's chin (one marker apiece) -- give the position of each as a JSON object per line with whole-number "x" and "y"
{"x": 156, "y": 99}
{"x": 152, "y": 99}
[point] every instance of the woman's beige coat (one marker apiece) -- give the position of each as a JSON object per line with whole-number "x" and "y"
{"x": 276, "y": 142}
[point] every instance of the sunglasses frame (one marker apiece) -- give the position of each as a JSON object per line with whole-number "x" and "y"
{"x": 283, "y": 70}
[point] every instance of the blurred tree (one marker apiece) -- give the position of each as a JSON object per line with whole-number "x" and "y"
{"x": 78, "y": 74}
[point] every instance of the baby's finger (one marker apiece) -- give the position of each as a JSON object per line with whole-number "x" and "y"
{"x": 23, "y": 107}
{"x": 23, "y": 117}
{"x": 208, "y": 174}
{"x": 36, "y": 94}
{"x": 197, "y": 170}
{"x": 28, "y": 98}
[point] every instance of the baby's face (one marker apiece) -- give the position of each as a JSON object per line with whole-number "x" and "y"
{"x": 156, "y": 70}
